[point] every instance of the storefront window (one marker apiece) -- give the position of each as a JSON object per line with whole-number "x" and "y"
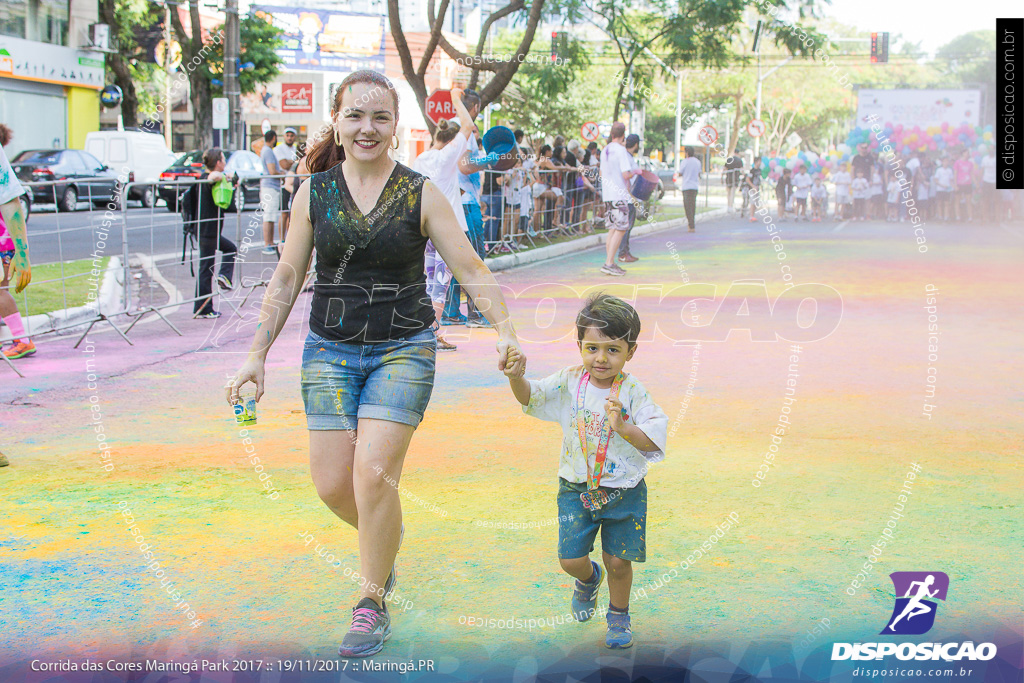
{"x": 13, "y": 14}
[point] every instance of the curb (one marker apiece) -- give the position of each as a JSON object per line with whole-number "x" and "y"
{"x": 507, "y": 261}
{"x": 108, "y": 301}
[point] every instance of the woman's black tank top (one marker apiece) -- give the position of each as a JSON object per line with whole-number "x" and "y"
{"x": 370, "y": 285}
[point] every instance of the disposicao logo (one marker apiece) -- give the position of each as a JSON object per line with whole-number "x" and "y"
{"x": 913, "y": 615}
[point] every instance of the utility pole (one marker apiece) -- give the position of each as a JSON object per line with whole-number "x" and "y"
{"x": 232, "y": 88}
{"x": 167, "y": 75}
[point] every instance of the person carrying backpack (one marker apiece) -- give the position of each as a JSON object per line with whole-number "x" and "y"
{"x": 203, "y": 218}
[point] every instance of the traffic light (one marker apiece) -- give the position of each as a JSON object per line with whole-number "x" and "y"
{"x": 879, "y": 48}
{"x": 559, "y": 45}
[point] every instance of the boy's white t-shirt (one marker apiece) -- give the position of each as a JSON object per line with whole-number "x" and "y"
{"x": 801, "y": 183}
{"x": 988, "y": 169}
{"x": 819, "y": 192}
{"x": 554, "y": 399}
{"x": 442, "y": 167}
{"x": 860, "y": 188}
{"x": 943, "y": 178}
{"x": 842, "y": 180}
{"x": 894, "y": 192}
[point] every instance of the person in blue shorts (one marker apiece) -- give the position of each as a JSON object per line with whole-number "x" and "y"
{"x": 612, "y": 432}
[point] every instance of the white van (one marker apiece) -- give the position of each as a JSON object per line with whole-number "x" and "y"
{"x": 145, "y": 155}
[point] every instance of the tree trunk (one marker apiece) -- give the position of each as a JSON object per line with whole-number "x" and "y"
{"x": 734, "y": 135}
{"x": 192, "y": 56}
{"x": 119, "y": 67}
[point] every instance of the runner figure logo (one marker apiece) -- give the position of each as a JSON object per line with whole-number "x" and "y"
{"x": 913, "y": 614}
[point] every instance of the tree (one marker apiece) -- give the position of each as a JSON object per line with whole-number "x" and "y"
{"x": 259, "y": 42}
{"x": 195, "y": 51}
{"x": 502, "y": 69}
{"x": 128, "y": 65}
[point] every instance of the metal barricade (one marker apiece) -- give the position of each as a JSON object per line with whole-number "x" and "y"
{"x": 77, "y": 263}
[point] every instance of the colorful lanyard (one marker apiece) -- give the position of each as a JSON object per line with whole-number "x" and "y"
{"x": 594, "y": 481}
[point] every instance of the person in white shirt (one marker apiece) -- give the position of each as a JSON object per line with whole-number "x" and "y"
{"x": 876, "y": 195}
{"x": 612, "y": 432}
{"x": 842, "y": 180}
{"x": 689, "y": 183}
{"x": 819, "y": 195}
{"x": 989, "y": 197}
{"x": 440, "y": 163}
{"x": 616, "y": 172}
{"x": 859, "y": 188}
{"x": 893, "y": 200}
{"x": 943, "y": 181}
{"x": 286, "y": 154}
{"x": 801, "y": 187}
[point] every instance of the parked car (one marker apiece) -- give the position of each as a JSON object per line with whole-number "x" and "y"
{"x": 80, "y": 175}
{"x": 190, "y": 166}
{"x": 648, "y": 164}
{"x": 138, "y": 155}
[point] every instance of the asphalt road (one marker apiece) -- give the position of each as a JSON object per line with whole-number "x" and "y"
{"x": 55, "y": 237}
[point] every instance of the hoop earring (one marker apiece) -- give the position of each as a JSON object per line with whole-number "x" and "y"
{"x": 397, "y": 142}
{"x": 337, "y": 138}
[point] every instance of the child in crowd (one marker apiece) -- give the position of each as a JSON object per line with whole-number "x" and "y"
{"x": 842, "y": 180}
{"x": 943, "y": 179}
{"x": 859, "y": 188}
{"x": 819, "y": 195}
{"x": 893, "y": 200}
{"x": 877, "y": 194}
{"x": 612, "y": 430}
{"x": 801, "y": 188}
{"x": 783, "y": 190}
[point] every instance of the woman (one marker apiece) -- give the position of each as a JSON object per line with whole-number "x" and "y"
{"x": 210, "y": 219}
{"x": 548, "y": 188}
{"x": 440, "y": 163}
{"x": 368, "y": 361}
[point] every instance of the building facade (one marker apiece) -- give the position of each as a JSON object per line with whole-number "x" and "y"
{"x": 50, "y": 79}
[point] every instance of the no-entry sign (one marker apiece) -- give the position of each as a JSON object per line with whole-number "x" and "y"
{"x": 439, "y": 106}
{"x": 589, "y": 131}
{"x": 708, "y": 135}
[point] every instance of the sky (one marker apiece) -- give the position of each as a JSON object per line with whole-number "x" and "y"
{"x": 931, "y": 23}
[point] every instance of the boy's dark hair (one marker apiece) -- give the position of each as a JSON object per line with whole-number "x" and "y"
{"x": 611, "y": 316}
{"x": 518, "y": 135}
{"x": 269, "y": 136}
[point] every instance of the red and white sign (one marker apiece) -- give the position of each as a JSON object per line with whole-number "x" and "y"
{"x": 589, "y": 131}
{"x": 439, "y": 106}
{"x": 297, "y": 98}
{"x": 756, "y": 128}
{"x": 707, "y": 135}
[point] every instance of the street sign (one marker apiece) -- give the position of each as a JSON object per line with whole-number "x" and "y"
{"x": 756, "y": 128}
{"x": 794, "y": 140}
{"x": 879, "y": 48}
{"x": 439, "y": 106}
{"x": 265, "y": 126}
{"x": 708, "y": 135}
{"x": 589, "y": 131}
{"x": 220, "y": 113}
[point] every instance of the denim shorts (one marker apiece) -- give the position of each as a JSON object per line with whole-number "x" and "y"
{"x": 389, "y": 380}
{"x": 622, "y": 522}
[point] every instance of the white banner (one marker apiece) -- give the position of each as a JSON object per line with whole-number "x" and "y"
{"x": 919, "y": 107}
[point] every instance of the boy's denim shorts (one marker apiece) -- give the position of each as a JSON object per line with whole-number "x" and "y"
{"x": 622, "y": 522}
{"x": 389, "y": 380}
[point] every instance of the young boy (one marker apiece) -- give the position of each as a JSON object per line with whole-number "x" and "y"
{"x": 842, "y": 180}
{"x": 801, "y": 187}
{"x": 819, "y": 194}
{"x": 859, "y": 188}
{"x": 893, "y": 200}
{"x": 612, "y": 431}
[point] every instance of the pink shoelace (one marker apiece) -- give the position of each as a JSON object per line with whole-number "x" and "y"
{"x": 363, "y": 619}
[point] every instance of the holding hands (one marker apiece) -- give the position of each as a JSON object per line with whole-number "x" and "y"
{"x": 512, "y": 360}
